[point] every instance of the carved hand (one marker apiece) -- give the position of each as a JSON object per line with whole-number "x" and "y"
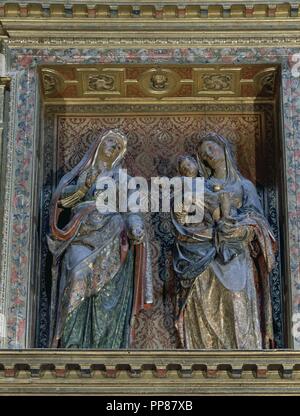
{"x": 136, "y": 234}
{"x": 91, "y": 177}
{"x": 136, "y": 230}
{"x": 225, "y": 204}
{"x": 71, "y": 200}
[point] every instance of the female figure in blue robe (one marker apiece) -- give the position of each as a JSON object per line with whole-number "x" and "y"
{"x": 223, "y": 263}
{"x": 99, "y": 276}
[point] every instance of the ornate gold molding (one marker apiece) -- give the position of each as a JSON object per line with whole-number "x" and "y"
{"x": 146, "y": 372}
{"x": 131, "y": 40}
{"x": 148, "y": 82}
{"x": 152, "y": 10}
{"x": 157, "y": 24}
{"x": 165, "y": 24}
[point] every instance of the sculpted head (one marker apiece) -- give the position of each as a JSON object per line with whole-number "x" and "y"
{"x": 111, "y": 149}
{"x": 187, "y": 166}
{"x": 211, "y": 153}
{"x": 215, "y": 155}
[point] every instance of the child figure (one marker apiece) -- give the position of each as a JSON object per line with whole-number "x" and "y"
{"x": 187, "y": 168}
{"x": 217, "y": 204}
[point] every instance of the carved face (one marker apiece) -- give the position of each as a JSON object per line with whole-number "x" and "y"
{"x": 212, "y": 154}
{"x": 100, "y": 84}
{"x": 110, "y": 148}
{"x": 188, "y": 167}
{"x": 159, "y": 81}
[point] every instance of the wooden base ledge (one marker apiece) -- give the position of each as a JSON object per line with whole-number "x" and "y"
{"x": 91, "y": 372}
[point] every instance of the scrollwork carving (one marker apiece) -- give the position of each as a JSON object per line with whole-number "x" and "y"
{"x": 217, "y": 82}
{"x": 265, "y": 82}
{"x": 101, "y": 83}
{"x": 49, "y": 83}
{"x": 52, "y": 82}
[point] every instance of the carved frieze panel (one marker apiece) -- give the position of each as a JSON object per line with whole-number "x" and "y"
{"x": 145, "y": 82}
{"x": 217, "y": 81}
{"x": 101, "y": 82}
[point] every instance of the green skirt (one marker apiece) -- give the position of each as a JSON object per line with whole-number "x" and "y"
{"x": 103, "y": 320}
